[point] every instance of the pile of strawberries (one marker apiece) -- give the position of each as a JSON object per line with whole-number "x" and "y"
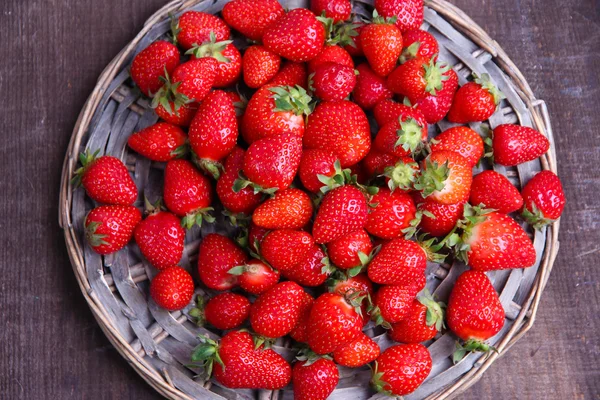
{"x": 319, "y": 201}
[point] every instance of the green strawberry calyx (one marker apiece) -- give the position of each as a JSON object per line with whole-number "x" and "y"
{"x": 86, "y": 159}
{"x": 209, "y": 166}
{"x": 342, "y": 34}
{"x": 308, "y": 357}
{"x": 378, "y": 19}
{"x": 486, "y": 83}
{"x": 339, "y": 178}
{"x": 239, "y": 220}
{"x": 365, "y": 260}
{"x": 410, "y": 135}
{"x": 459, "y": 242}
{"x": 175, "y": 29}
{"x": 409, "y": 52}
{"x": 470, "y": 346}
{"x": 197, "y": 217}
{"x": 153, "y": 208}
{"x": 435, "y": 75}
{"x": 432, "y": 178}
{"x": 212, "y": 48}
{"x": 401, "y": 175}
{"x": 375, "y": 313}
{"x": 197, "y": 313}
{"x": 93, "y": 238}
{"x": 263, "y": 341}
{"x": 294, "y": 99}
{"x": 535, "y": 217}
{"x": 377, "y": 381}
{"x": 206, "y": 353}
{"x": 435, "y": 310}
{"x": 169, "y": 97}
{"x": 242, "y": 182}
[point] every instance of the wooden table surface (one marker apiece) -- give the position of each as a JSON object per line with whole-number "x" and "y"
{"x": 52, "y": 53}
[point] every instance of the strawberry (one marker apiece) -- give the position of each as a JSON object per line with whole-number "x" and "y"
{"x": 351, "y": 250}
{"x": 228, "y": 66}
{"x": 392, "y": 303}
{"x": 172, "y": 288}
{"x": 217, "y": 255}
{"x": 242, "y": 365}
{"x": 255, "y": 277}
{"x": 381, "y": 42}
{"x": 312, "y": 271}
{"x": 289, "y": 208}
{"x": 370, "y": 88}
{"x": 417, "y": 78}
{"x": 491, "y": 189}
{"x": 332, "y": 82}
{"x": 402, "y": 174}
{"x": 187, "y": 193}
{"x": 375, "y": 162}
{"x": 284, "y": 249}
{"x": 474, "y": 312}
{"x": 315, "y": 380}
{"x": 446, "y": 178}
{"x": 276, "y": 312}
{"x": 291, "y": 74}
{"x": 331, "y": 54}
{"x": 424, "y": 320}
{"x": 274, "y": 110}
{"x": 297, "y": 36}
{"x": 445, "y": 216}
{"x": 544, "y": 199}
{"x": 191, "y": 81}
{"x": 251, "y": 17}
{"x": 333, "y": 322}
{"x": 256, "y": 234}
{"x": 475, "y": 101}
{"x": 227, "y": 310}
{"x": 357, "y": 353}
{"x": 109, "y": 228}
{"x": 349, "y": 141}
{"x": 195, "y": 27}
{"x": 159, "y": 142}
{"x": 402, "y": 136}
{"x": 271, "y": 164}
{"x": 359, "y": 283}
{"x": 316, "y": 166}
{"x": 178, "y": 113}
{"x": 347, "y": 35}
{"x": 150, "y": 64}
{"x": 299, "y": 333}
{"x": 418, "y": 43}
{"x": 387, "y": 110}
{"x": 338, "y": 10}
{"x": 342, "y": 211}
{"x": 435, "y": 107}
{"x": 462, "y": 140}
{"x": 409, "y": 13}
{"x": 401, "y": 369}
{"x": 160, "y": 238}
{"x": 260, "y": 66}
{"x": 243, "y": 201}
{"x": 213, "y": 132}
{"x": 514, "y": 144}
{"x": 391, "y": 215}
{"x": 399, "y": 262}
{"x": 105, "y": 179}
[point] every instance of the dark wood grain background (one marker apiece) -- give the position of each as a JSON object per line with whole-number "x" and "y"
{"x": 52, "y": 51}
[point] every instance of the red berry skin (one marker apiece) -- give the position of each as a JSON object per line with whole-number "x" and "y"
{"x": 227, "y": 310}
{"x": 425, "y": 45}
{"x": 309, "y": 271}
{"x": 150, "y": 64}
{"x": 291, "y": 74}
{"x": 413, "y": 328}
{"x": 474, "y": 309}
{"x": 195, "y": 28}
{"x": 258, "y": 277}
{"x": 196, "y": 77}
{"x": 472, "y": 103}
{"x": 172, "y": 288}
{"x": 106, "y": 180}
{"x": 276, "y": 312}
{"x": 404, "y": 367}
{"x": 387, "y": 110}
{"x": 435, "y": 108}
{"x": 315, "y": 162}
{"x": 545, "y": 192}
{"x": 495, "y": 191}
{"x": 228, "y": 73}
{"x": 314, "y": 381}
{"x": 370, "y": 88}
{"x": 357, "y": 353}
{"x": 375, "y": 162}
{"x": 360, "y": 283}
{"x": 297, "y": 36}
{"x": 244, "y": 201}
{"x": 343, "y": 252}
{"x": 382, "y": 45}
{"x": 513, "y": 144}
{"x": 331, "y": 54}
{"x": 182, "y": 117}
{"x": 160, "y": 239}
{"x": 283, "y": 249}
{"x": 251, "y": 17}
{"x": 216, "y": 256}
{"x": 333, "y": 82}
{"x": 186, "y": 189}
{"x": 299, "y": 333}
{"x": 248, "y": 368}
{"x": 260, "y": 66}
{"x": 462, "y": 140}
{"x": 342, "y": 211}
{"x": 338, "y": 10}
{"x": 159, "y": 142}
{"x": 446, "y": 217}
{"x": 387, "y": 139}
{"x": 109, "y": 228}
{"x": 288, "y": 209}
{"x": 457, "y": 187}
{"x": 391, "y": 215}
{"x": 394, "y": 301}
{"x": 400, "y": 262}
{"x": 408, "y": 12}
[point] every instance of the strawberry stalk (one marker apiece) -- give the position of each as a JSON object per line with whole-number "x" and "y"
{"x": 197, "y": 217}
{"x": 409, "y": 136}
{"x": 211, "y": 167}
{"x": 342, "y": 33}
{"x": 432, "y": 179}
{"x": 535, "y": 217}
{"x": 212, "y": 48}
{"x": 435, "y": 310}
{"x": 308, "y": 357}
{"x": 242, "y": 182}
{"x": 472, "y": 216}
{"x": 168, "y": 94}
{"x": 291, "y": 99}
{"x": 377, "y": 381}
{"x": 434, "y": 75}
{"x": 339, "y": 178}
{"x": 470, "y": 346}
{"x": 95, "y": 239}
{"x": 375, "y": 313}
{"x": 364, "y": 261}
{"x": 85, "y": 159}
{"x": 401, "y": 176}
{"x": 485, "y": 81}
{"x": 409, "y": 52}
{"x": 197, "y": 313}
{"x": 206, "y": 353}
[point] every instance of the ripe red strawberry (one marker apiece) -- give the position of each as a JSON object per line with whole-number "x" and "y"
{"x": 242, "y": 365}
{"x": 387, "y": 110}
{"x": 544, "y": 199}
{"x": 402, "y": 136}
{"x": 251, "y": 17}
{"x": 297, "y": 36}
{"x": 274, "y": 110}
{"x": 342, "y": 211}
{"x": 446, "y": 178}
{"x": 402, "y": 174}
{"x": 391, "y": 215}
{"x": 492, "y": 241}
{"x": 462, "y": 140}
{"x": 417, "y": 78}
{"x": 271, "y": 164}
{"x": 445, "y": 216}
{"x": 243, "y": 201}
{"x": 109, "y": 228}
{"x": 159, "y": 142}
{"x": 317, "y": 165}
{"x": 314, "y": 380}
{"x": 370, "y": 88}
{"x": 331, "y": 54}
{"x": 474, "y": 312}
{"x": 299, "y": 333}
{"x": 291, "y": 74}
{"x": 351, "y": 250}
{"x": 213, "y": 131}
{"x": 409, "y": 13}
{"x": 334, "y": 321}
{"x": 338, "y": 10}
{"x": 435, "y": 107}
{"x": 312, "y": 271}
{"x": 217, "y": 255}
{"x": 357, "y": 353}
{"x": 475, "y": 101}
{"x": 347, "y": 35}
{"x": 227, "y": 310}
{"x": 228, "y": 66}
{"x": 276, "y": 312}
{"x": 289, "y": 208}
{"x": 332, "y": 82}
{"x": 194, "y": 27}
{"x": 401, "y": 369}
{"x": 375, "y": 162}
{"x": 191, "y": 81}
{"x": 359, "y": 283}
{"x": 349, "y": 141}
{"x": 515, "y": 144}
{"x": 172, "y": 288}
{"x": 286, "y": 248}
{"x": 399, "y": 262}
{"x": 381, "y": 42}
{"x": 255, "y": 277}
{"x": 418, "y": 43}
{"x": 177, "y": 112}
{"x": 493, "y": 190}
{"x": 160, "y": 238}
{"x": 392, "y": 303}
{"x": 105, "y": 179}
{"x": 256, "y": 234}
{"x": 424, "y": 320}
{"x": 260, "y": 66}
{"x": 150, "y": 64}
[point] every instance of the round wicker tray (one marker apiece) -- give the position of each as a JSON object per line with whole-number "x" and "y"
{"x": 158, "y": 343}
